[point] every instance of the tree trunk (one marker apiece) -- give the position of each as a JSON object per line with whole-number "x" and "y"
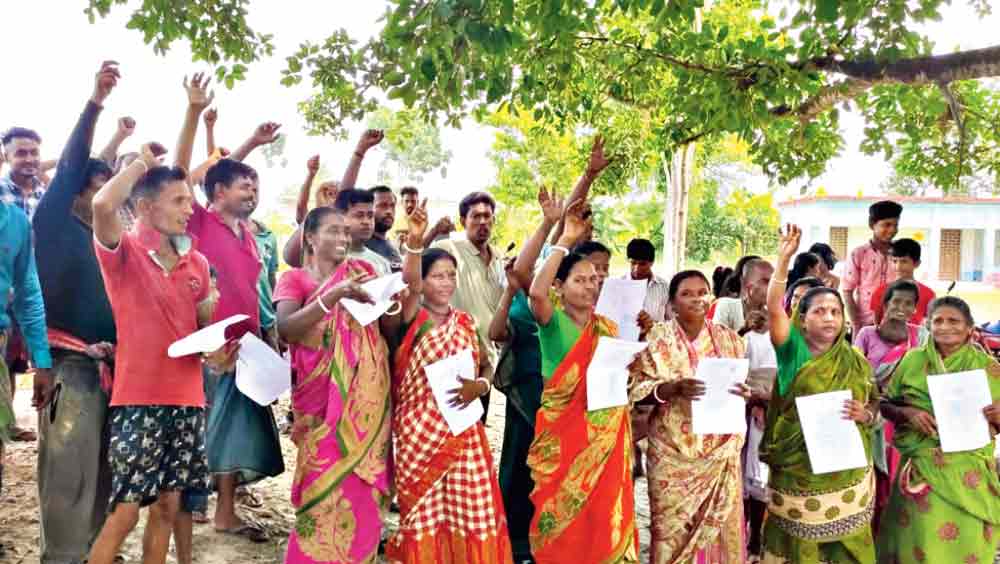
{"x": 678, "y": 167}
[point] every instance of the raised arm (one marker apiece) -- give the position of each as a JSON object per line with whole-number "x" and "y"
{"x": 302, "y": 206}
{"x": 211, "y": 116}
{"x": 578, "y": 222}
{"x": 499, "y": 332}
{"x": 369, "y": 139}
{"x": 292, "y": 253}
{"x": 112, "y": 196}
{"x": 265, "y": 134}
{"x": 788, "y": 246}
{"x": 412, "y": 270}
{"x": 126, "y": 127}
{"x": 199, "y": 98}
{"x": 296, "y": 319}
{"x": 597, "y": 163}
{"x": 552, "y": 212}
{"x": 71, "y": 175}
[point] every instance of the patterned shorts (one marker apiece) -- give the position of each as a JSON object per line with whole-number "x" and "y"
{"x": 155, "y": 449}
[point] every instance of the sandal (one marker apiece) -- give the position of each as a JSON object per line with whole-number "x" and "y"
{"x": 254, "y": 533}
{"x": 199, "y": 517}
{"x": 248, "y": 498}
{"x": 20, "y": 435}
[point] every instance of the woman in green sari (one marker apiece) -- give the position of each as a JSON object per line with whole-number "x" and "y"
{"x": 944, "y": 507}
{"x": 814, "y": 517}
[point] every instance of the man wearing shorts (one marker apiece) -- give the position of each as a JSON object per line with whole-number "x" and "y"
{"x": 160, "y": 291}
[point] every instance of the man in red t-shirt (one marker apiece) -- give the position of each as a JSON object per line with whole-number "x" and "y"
{"x": 160, "y": 290}
{"x": 905, "y": 257}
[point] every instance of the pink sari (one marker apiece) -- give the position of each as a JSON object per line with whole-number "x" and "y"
{"x": 342, "y": 423}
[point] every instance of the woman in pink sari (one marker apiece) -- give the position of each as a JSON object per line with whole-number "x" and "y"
{"x": 340, "y": 401}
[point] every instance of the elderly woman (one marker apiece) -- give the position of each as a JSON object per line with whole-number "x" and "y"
{"x": 695, "y": 487}
{"x": 944, "y": 507}
{"x": 814, "y": 517}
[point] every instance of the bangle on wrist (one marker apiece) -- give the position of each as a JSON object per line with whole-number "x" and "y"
{"x": 779, "y": 281}
{"x": 417, "y": 251}
{"x": 656, "y": 394}
{"x": 143, "y": 163}
{"x": 488, "y": 385}
{"x": 359, "y": 154}
{"x": 560, "y": 248}
{"x": 322, "y": 305}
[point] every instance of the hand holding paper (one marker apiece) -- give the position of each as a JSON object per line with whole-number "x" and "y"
{"x": 621, "y": 301}
{"x": 959, "y": 400}
{"x": 607, "y": 375}
{"x": 206, "y": 340}
{"x": 381, "y": 291}
{"x": 720, "y": 411}
{"x": 261, "y": 374}
{"x": 832, "y": 442}
{"x": 442, "y": 377}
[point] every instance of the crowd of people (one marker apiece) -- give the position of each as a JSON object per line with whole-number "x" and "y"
{"x": 115, "y": 257}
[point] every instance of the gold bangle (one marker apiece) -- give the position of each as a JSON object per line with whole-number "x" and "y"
{"x": 779, "y": 281}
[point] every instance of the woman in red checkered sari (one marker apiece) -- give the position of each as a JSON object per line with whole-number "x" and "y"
{"x": 581, "y": 461}
{"x": 449, "y": 498}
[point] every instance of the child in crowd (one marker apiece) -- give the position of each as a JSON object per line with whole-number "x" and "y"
{"x": 905, "y": 257}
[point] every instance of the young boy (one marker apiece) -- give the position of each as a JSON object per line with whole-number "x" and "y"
{"x": 905, "y": 257}
{"x": 870, "y": 267}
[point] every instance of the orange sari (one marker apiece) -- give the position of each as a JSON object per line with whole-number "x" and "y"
{"x": 581, "y": 463}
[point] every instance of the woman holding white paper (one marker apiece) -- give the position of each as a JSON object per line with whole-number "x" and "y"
{"x": 580, "y": 461}
{"x": 450, "y": 506}
{"x": 340, "y": 399}
{"x": 695, "y": 483}
{"x": 825, "y": 517}
{"x": 944, "y": 507}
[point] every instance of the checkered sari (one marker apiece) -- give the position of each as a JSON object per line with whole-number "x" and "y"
{"x": 449, "y": 499}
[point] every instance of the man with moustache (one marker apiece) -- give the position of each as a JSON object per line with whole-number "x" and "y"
{"x": 480, "y": 269}
{"x": 385, "y": 216}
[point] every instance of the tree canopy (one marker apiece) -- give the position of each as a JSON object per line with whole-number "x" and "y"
{"x": 411, "y": 144}
{"x": 775, "y": 74}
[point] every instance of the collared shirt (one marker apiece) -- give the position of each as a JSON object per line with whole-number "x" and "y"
{"x": 18, "y": 273}
{"x": 154, "y": 307}
{"x": 267, "y": 248}
{"x": 480, "y": 287}
{"x": 657, "y": 297}
{"x": 380, "y": 265}
{"x": 729, "y": 312}
{"x": 867, "y": 270}
{"x": 237, "y": 268}
{"x": 11, "y": 194}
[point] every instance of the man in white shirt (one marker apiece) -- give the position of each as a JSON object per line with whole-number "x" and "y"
{"x": 641, "y": 255}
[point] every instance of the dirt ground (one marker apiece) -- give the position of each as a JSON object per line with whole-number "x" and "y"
{"x": 19, "y": 504}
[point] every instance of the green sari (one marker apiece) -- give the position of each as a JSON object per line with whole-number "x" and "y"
{"x": 815, "y": 518}
{"x": 944, "y": 507}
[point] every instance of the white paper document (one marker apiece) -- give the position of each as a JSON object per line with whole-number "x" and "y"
{"x": 832, "y": 442}
{"x": 719, "y": 411}
{"x": 443, "y": 376}
{"x": 206, "y": 340}
{"x": 959, "y": 399}
{"x": 261, "y": 374}
{"x": 381, "y": 290}
{"x": 607, "y": 375}
{"x": 621, "y": 301}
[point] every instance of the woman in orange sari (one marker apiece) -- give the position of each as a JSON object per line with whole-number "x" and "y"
{"x": 581, "y": 461}
{"x": 450, "y": 506}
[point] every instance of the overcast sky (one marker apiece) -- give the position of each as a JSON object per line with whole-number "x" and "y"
{"x": 51, "y": 53}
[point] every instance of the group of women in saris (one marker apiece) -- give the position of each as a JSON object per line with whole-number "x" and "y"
{"x": 367, "y": 424}
{"x": 351, "y": 402}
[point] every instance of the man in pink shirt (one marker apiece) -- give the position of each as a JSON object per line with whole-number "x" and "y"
{"x": 160, "y": 291}
{"x": 869, "y": 266}
{"x": 242, "y": 438}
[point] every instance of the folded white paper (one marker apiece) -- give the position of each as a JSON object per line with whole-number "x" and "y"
{"x": 621, "y": 301}
{"x": 607, "y": 375}
{"x": 719, "y": 411}
{"x": 381, "y": 290}
{"x": 206, "y": 340}
{"x": 261, "y": 374}
{"x": 443, "y": 376}
{"x": 832, "y": 442}
{"x": 958, "y": 400}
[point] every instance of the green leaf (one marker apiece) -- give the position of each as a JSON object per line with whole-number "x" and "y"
{"x": 428, "y": 69}
{"x": 826, "y": 10}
